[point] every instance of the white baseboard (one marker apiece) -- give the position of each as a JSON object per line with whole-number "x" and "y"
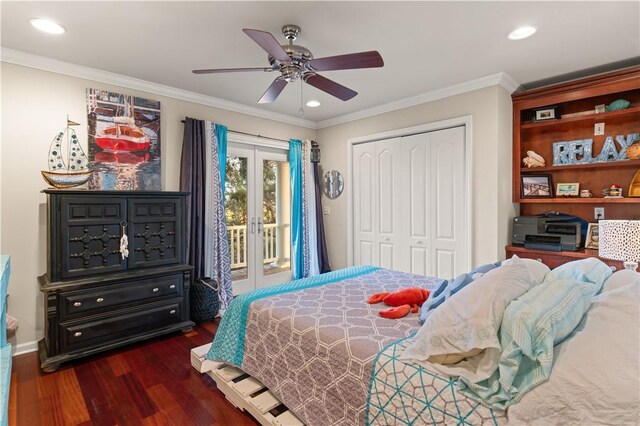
{"x": 24, "y": 348}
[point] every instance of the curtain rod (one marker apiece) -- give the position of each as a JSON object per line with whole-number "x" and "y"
{"x": 250, "y": 134}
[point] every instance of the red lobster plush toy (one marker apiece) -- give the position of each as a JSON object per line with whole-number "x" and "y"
{"x": 405, "y": 300}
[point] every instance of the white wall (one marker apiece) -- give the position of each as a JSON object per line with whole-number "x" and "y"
{"x": 491, "y": 181}
{"x": 34, "y": 107}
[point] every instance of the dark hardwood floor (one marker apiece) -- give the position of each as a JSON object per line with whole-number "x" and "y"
{"x": 151, "y": 383}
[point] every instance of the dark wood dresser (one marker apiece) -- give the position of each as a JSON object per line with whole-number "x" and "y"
{"x": 97, "y": 300}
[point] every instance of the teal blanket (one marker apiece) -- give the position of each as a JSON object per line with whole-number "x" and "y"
{"x": 228, "y": 345}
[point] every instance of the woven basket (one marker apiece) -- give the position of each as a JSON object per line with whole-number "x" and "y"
{"x": 205, "y": 301}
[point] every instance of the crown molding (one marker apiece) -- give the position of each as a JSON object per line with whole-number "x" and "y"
{"x": 53, "y": 65}
{"x": 500, "y": 79}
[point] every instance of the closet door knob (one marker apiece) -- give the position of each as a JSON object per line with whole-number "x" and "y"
{"x": 77, "y": 304}
{"x": 77, "y": 334}
{"x": 172, "y": 286}
{"x": 418, "y": 242}
{"x": 99, "y": 300}
{"x": 155, "y": 289}
{"x": 387, "y": 239}
{"x": 173, "y": 311}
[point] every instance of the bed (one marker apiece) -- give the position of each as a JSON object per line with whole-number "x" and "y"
{"x": 330, "y": 358}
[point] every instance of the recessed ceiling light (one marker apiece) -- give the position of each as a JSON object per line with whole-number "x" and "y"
{"x": 522, "y": 32}
{"x": 47, "y": 26}
{"x": 313, "y": 104}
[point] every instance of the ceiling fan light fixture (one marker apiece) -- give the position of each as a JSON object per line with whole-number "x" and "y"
{"x": 522, "y": 32}
{"x": 47, "y": 26}
{"x": 313, "y": 103}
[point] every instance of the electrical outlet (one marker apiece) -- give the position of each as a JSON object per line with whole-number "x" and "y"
{"x": 598, "y": 213}
{"x": 598, "y": 129}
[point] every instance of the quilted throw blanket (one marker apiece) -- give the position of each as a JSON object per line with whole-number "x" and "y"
{"x": 313, "y": 342}
{"x": 405, "y": 393}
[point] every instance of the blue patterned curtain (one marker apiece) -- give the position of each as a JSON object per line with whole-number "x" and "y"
{"x": 295, "y": 172}
{"x": 202, "y": 174}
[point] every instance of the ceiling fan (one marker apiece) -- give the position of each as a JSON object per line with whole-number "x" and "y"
{"x": 296, "y": 62}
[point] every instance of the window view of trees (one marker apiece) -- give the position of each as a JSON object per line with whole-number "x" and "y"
{"x": 236, "y": 191}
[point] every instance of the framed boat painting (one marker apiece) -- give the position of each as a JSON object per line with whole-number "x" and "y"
{"x": 124, "y": 141}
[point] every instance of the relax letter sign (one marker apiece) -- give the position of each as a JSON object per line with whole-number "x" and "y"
{"x": 580, "y": 151}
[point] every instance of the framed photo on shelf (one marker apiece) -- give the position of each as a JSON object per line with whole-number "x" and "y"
{"x": 568, "y": 190}
{"x": 593, "y": 237}
{"x": 536, "y": 186}
{"x": 546, "y": 113}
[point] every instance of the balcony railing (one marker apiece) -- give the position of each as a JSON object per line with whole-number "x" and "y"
{"x": 238, "y": 244}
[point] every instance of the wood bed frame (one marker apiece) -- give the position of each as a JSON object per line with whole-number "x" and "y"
{"x": 244, "y": 391}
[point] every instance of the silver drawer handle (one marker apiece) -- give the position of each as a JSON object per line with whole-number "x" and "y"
{"x": 155, "y": 289}
{"x": 172, "y": 286}
{"x": 77, "y": 304}
{"x": 173, "y": 311}
{"x": 99, "y": 300}
{"x": 77, "y": 334}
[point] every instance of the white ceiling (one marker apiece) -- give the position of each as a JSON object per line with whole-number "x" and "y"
{"x": 426, "y": 46}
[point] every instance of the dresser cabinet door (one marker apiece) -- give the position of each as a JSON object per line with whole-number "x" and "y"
{"x": 154, "y": 232}
{"x": 90, "y": 232}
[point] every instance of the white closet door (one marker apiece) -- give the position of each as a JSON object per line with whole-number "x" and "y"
{"x": 415, "y": 189}
{"x": 364, "y": 178}
{"x": 388, "y": 205}
{"x": 447, "y": 202}
{"x": 409, "y": 203}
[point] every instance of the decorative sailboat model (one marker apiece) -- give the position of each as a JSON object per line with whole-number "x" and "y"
{"x": 75, "y": 171}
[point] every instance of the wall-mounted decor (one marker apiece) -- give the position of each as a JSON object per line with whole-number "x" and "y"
{"x": 536, "y": 186}
{"x": 634, "y": 186}
{"x": 567, "y": 190}
{"x": 333, "y": 184}
{"x": 124, "y": 141}
{"x": 67, "y": 162}
{"x": 581, "y": 151}
{"x": 546, "y": 113}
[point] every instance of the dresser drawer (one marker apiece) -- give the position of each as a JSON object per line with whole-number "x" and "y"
{"x": 77, "y": 335}
{"x": 94, "y": 300}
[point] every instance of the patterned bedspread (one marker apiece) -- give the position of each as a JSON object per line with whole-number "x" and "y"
{"x": 405, "y": 393}
{"x": 314, "y": 343}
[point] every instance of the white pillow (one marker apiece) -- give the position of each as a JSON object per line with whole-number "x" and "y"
{"x": 621, "y": 279}
{"x": 469, "y": 321}
{"x": 537, "y": 270}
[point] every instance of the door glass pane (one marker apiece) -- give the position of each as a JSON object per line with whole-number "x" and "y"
{"x": 276, "y": 213}
{"x": 235, "y": 194}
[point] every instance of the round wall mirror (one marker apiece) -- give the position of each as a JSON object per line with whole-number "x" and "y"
{"x": 333, "y": 184}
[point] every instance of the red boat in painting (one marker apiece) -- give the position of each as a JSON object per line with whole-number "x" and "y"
{"x": 123, "y": 136}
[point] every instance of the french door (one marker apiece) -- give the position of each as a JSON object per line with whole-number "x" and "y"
{"x": 258, "y": 210}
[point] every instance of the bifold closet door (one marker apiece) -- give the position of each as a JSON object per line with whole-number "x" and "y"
{"x": 409, "y": 203}
{"x": 377, "y": 204}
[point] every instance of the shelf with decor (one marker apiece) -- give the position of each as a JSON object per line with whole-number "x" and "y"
{"x": 556, "y": 124}
{"x": 594, "y": 117}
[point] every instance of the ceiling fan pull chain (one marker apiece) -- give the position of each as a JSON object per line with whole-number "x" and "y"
{"x": 301, "y": 110}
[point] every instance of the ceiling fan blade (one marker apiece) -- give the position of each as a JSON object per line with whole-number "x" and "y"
{"x": 220, "y": 70}
{"x": 268, "y": 42}
{"x": 371, "y": 59}
{"x": 330, "y": 86}
{"x": 273, "y": 91}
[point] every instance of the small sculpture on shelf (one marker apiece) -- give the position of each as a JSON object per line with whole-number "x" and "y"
{"x": 585, "y": 193}
{"x": 618, "y": 105}
{"x": 533, "y": 160}
{"x": 614, "y": 192}
{"x": 633, "y": 150}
